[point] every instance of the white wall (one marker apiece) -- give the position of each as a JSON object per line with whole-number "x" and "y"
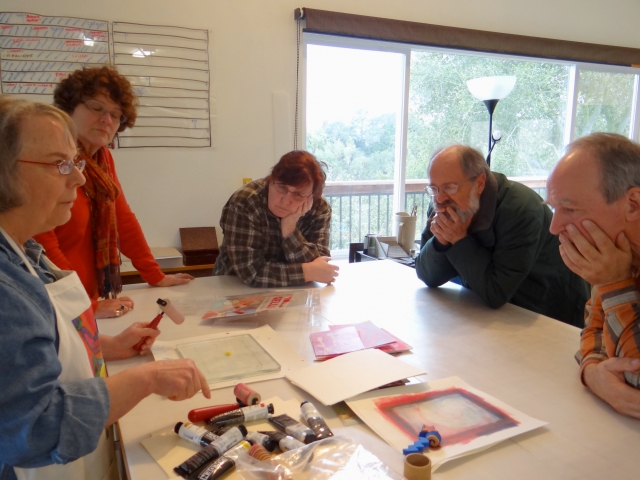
{"x": 252, "y": 50}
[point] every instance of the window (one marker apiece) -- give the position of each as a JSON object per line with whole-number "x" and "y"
{"x": 376, "y": 111}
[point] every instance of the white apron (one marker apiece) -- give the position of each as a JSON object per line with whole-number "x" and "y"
{"x": 71, "y": 304}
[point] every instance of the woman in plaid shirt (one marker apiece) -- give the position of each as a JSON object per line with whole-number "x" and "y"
{"x": 276, "y": 229}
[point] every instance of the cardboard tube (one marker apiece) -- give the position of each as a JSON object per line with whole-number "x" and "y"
{"x": 417, "y": 467}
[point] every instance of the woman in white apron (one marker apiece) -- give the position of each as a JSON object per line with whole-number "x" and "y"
{"x": 54, "y": 400}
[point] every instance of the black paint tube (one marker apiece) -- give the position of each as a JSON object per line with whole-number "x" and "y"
{"x": 262, "y": 439}
{"x": 315, "y": 420}
{"x": 241, "y": 415}
{"x": 211, "y": 452}
{"x": 296, "y": 429}
{"x": 195, "y": 434}
{"x": 220, "y": 466}
{"x": 285, "y": 442}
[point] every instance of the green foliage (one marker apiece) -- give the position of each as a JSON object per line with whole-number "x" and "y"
{"x": 443, "y": 111}
{"x": 361, "y": 150}
{"x": 604, "y": 103}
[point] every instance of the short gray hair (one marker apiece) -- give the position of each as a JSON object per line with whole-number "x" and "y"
{"x": 619, "y": 161}
{"x": 14, "y": 113}
{"x": 471, "y": 160}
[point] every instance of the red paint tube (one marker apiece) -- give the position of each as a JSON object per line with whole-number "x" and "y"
{"x": 205, "y": 413}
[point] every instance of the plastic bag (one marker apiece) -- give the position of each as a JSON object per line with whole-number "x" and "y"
{"x": 335, "y": 458}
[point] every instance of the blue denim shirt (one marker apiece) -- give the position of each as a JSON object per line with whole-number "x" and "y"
{"x": 41, "y": 420}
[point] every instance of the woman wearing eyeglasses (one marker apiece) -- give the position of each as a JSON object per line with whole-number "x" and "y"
{"x": 55, "y": 401}
{"x": 276, "y": 229}
{"x": 101, "y": 103}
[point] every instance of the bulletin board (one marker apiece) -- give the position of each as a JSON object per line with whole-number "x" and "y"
{"x": 168, "y": 67}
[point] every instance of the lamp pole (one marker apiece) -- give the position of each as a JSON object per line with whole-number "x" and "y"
{"x": 490, "y": 90}
{"x": 491, "y": 106}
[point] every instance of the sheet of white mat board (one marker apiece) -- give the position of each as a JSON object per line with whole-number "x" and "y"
{"x": 351, "y": 374}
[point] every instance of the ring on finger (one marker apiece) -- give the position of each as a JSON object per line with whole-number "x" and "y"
{"x": 118, "y": 313}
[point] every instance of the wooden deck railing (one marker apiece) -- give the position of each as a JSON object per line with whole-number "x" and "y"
{"x": 365, "y": 206}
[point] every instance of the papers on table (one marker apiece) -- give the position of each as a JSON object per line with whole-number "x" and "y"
{"x": 467, "y": 419}
{"x": 342, "y": 339}
{"x": 239, "y": 305}
{"x": 351, "y": 374}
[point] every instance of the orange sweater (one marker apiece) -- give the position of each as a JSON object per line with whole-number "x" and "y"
{"x": 70, "y": 246}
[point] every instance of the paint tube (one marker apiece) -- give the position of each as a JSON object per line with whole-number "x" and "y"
{"x": 241, "y": 415}
{"x": 194, "y": 434}
{"x": 257, "y": 438}
{"x": 202, "y": 414}
{"x": 214, "y": 450}
{"x": 285, "y": 442}
{"x": 296, "y": 429}
{"x": 315, "y": 420}
{"x": 220, "y": 466}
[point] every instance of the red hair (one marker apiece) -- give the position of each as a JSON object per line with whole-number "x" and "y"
{"x": 299, "y": 168}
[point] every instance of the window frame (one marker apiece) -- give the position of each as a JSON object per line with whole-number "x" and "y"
{"x": 400, "y": 156}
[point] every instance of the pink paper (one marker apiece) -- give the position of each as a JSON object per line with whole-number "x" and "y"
{"x": 336, "y": 342}
{"x": 370, "y": 335}
{"x": 373, "y": 336}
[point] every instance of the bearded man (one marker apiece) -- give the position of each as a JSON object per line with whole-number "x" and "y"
{"x": 494, "y": 235}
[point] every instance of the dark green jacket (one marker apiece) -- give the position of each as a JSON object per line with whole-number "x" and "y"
{"x": 508, "y": 256}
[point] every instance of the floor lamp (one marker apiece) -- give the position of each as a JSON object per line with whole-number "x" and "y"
{"x": 491, "y": 90}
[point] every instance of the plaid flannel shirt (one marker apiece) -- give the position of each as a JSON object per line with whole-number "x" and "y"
{"x": 253, "y": 247}
{"x": 612, "y": 326}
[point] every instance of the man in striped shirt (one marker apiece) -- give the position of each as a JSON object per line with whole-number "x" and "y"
{"x": 595, "y": 191}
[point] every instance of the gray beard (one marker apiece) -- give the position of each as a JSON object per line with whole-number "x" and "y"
{"x": 474, "y": 206}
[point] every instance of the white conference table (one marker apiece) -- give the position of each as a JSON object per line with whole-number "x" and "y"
{"x": 521, "y": 358}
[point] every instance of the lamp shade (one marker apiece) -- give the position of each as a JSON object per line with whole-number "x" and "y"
{"x": 491, "y": 88}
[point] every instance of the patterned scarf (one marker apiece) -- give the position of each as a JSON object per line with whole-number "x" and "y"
{"x": 102, "y": 192}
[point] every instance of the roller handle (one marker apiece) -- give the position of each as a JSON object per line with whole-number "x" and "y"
{"x": 154, "y": 324}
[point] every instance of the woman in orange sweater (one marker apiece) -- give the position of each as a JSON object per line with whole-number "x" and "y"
{"x": 101, "y": 102}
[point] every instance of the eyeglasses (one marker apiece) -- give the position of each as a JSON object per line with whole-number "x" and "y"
{"x": 448, "y": 188}
{"x": 65, "y": 167}
{"x": 99, "y": 109}
{"x": 282, "y": 190}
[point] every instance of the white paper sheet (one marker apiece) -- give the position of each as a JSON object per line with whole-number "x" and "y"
{"x": 475, "y": 426}
{"x": 351, "y": 374}
{"x": 280, "y": 350}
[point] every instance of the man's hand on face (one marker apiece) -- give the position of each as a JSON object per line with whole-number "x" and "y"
{"x": 600, "y": 261}
{"x": 606, "y": 380}
{"x": 448, "y": 227}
